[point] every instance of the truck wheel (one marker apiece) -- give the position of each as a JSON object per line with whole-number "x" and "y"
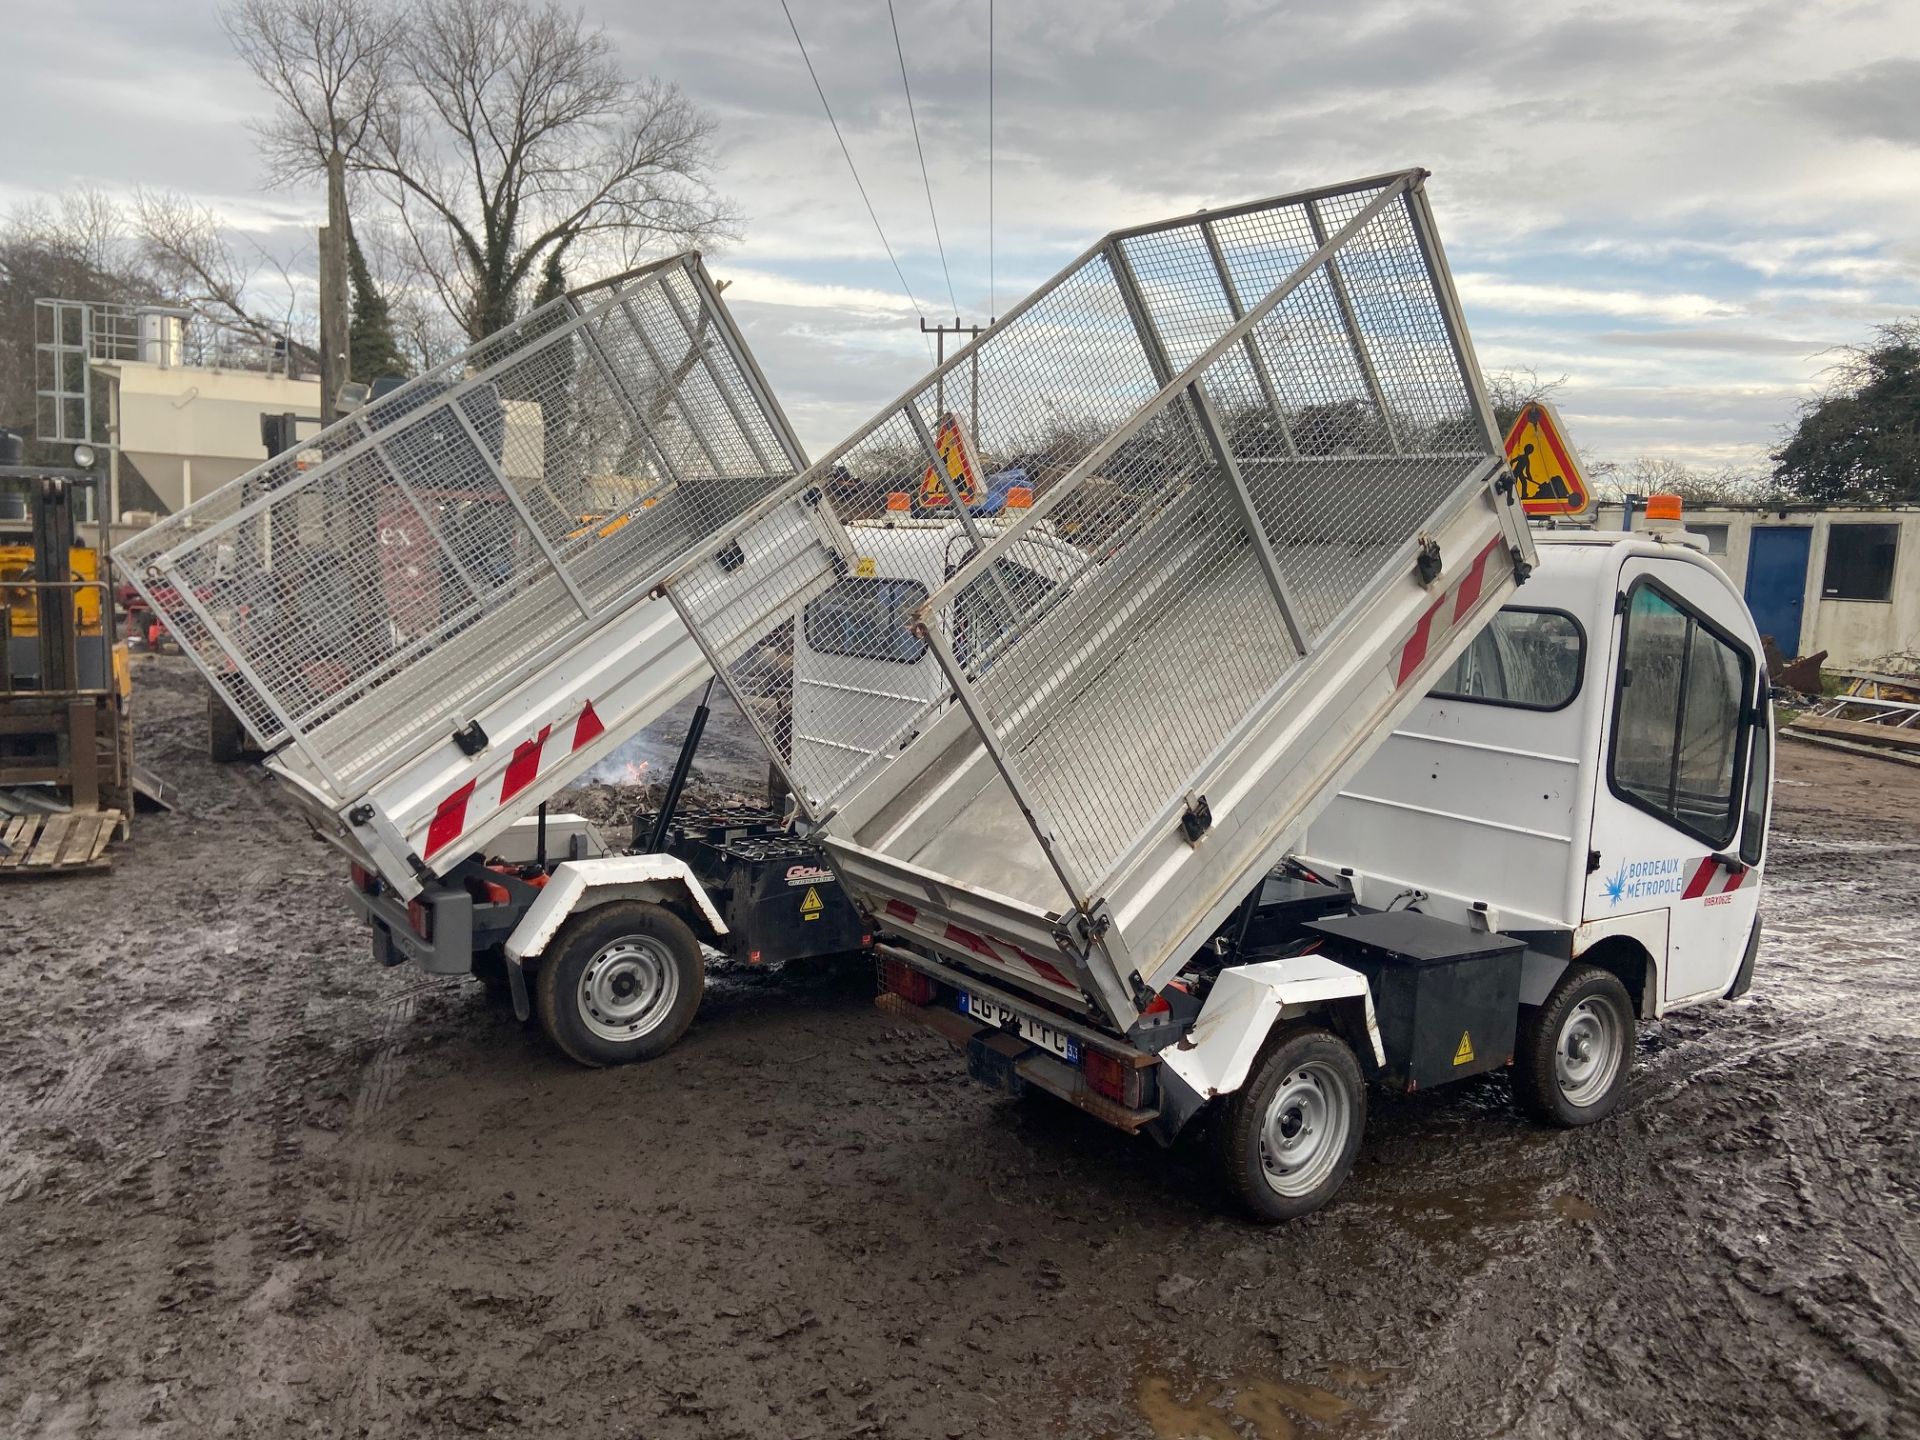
{"x": 226, "y": 741}
{"x": 1573, "y": 1053}
{"x": 621, "y": 982}
{"x": 1286, "y": 1140}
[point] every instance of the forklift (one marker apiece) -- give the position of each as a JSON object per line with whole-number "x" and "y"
{"x": 66, "y": 752}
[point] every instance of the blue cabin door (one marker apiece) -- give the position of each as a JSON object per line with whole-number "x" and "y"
{"x": 1777, "y": 582}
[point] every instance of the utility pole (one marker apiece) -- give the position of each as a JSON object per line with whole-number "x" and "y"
{"x": 940, "y": 385}
{"x": 335, "y": 303}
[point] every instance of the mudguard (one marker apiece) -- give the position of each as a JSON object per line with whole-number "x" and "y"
{"x": 583, "y": 884}
{"x": 1246, "y": 1002}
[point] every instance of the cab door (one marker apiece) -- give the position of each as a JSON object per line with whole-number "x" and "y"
{"x": 1680, "y": 813}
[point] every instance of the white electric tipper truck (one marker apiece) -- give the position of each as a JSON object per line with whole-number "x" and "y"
{"x": 436, "y": 614}
{"x": 1239, "y": 768}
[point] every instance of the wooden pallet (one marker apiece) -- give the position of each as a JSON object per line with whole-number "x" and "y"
{"x": 56, "y": 844}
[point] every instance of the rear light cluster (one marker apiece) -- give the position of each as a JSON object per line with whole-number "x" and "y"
{"x": 420, "y": 918}
{"x": 906, "y": 982}
{"x": 364, "y": 880}
{"x": 1117, "y": 1080}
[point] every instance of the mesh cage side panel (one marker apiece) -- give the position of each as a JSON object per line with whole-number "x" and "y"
{"x": 1114, "y": 648}
{"x": 1108, "y": 688}
{"x": 429, "y": 550}
{"x": 796, "y": 578}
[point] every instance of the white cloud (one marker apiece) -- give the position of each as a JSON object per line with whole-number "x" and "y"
{"x": 1480, "y": 288}
{"x": 1656, "y": 200}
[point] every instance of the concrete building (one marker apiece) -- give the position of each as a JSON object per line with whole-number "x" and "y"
{"x": 180, "y": 396}
{"x": 1844, "y": 579}
{"x": 192, "y": 429}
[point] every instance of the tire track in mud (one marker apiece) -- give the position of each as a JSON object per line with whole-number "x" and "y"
{"x": 63, "y": 1099}
{"x": 371, "y": 1166}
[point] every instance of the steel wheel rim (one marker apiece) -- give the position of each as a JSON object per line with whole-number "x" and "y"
{"x": 628, "y": 988}
{"x": 1588, "y": 1052}
{"x": 1304, "y": 1132}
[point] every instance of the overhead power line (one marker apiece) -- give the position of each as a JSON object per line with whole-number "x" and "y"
{"x": 925, "y": 180}
{"x": 852, "y": 169}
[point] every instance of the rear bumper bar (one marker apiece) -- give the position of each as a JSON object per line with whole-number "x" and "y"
{"x": 1005, "y": 1060}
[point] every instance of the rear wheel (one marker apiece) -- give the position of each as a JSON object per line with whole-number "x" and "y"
{"x": 1286, "y": 1140}
{"x": 620, "y": 983}
{"x": 1574, "y": 1053}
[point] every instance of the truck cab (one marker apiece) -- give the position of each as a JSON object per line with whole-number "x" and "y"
{"x": 1592, "y": 774}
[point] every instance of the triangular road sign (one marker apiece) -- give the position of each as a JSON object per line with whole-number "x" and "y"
{"x": 1544, "y": 469}
{"x": 956, "y": 464}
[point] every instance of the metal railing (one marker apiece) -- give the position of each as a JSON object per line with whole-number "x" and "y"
{"x": 434, "y": 548}
{"x": 1231, "y": 423}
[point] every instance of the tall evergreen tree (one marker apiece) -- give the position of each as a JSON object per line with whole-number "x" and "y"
{"x": 553, "y": 280}
{"x": 372, "y": 351}
{"x": 1860, "y": 442}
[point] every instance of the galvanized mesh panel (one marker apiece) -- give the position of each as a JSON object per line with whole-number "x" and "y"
{"x": 425, "y": 552}
{"x": 1230, "y": 446}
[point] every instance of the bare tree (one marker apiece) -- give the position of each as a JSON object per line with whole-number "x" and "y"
{"x": 516, "y": 138}
{"x": 195, "y": 265}
{"x": 1511, "y": 391}
{"x": 330, "y": 65}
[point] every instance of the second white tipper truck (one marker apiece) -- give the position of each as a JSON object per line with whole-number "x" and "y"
{"x": 1067, "y": 776}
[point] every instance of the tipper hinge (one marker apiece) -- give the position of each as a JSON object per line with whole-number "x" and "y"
{"x": 1196, "y": 819}
{"x": 1427, "y": 564}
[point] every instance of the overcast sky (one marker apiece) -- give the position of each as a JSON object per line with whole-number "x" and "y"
{"x": 1677, "y": 206}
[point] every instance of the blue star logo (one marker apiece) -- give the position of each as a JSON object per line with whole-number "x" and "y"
{"x": 1617, "y": 885}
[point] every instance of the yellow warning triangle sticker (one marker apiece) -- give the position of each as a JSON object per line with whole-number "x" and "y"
{"x": 812, "y": 905}
{"x": 1463, "y": 1054}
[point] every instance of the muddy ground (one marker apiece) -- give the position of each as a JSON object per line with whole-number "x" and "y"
{"x": 252, "y": 1185}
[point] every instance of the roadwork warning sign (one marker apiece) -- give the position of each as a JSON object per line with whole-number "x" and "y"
{"x": 956, "y": 467}
{"x": 1548, "y": 477}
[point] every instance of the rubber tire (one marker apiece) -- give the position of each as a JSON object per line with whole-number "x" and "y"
{"x": 226, "y": 740}
{"x": 1535, "y": 1082}
{"x": 1236, "y": 1132}
{"x": 556, "y": 985}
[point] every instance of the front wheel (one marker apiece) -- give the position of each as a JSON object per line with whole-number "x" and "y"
{"x": 620, "y": 983}
{"x": 1573, "y": 1053}
{"x": 1287, "y": 1139}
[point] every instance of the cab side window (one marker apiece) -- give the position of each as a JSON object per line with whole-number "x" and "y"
{"x": 1678, "y": 731}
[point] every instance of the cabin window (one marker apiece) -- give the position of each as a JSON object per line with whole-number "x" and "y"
{"x": 1860, "y": 562}
{"x": 1529, "y": 659}
{"x": 981, "y": 612}
{"x": 1677, "y": 730}
{"x": 866, "y": 619}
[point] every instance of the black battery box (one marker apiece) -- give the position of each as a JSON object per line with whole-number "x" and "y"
{"x": 1446, "y": 998}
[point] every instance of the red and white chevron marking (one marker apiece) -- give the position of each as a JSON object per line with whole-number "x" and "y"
{"x": 450, "y": 819}
{"x": 1702, "y": 880}
{"x": 998, "y": 951}
{"x": 1444, "y": 616}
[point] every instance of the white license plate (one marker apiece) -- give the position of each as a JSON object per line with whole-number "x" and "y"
{"x": 1002, "y": 1017}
